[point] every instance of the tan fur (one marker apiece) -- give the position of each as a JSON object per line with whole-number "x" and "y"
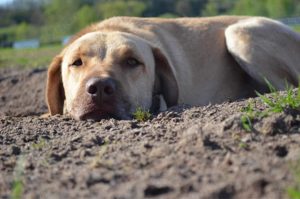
{"x": 194, "y": 61}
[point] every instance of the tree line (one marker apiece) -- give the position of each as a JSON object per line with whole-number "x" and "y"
{"x": 49, "y": 20}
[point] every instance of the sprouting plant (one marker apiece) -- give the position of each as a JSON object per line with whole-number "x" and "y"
{"x": 39, "y": 145}
{"x": 141, "y": 115}
{"x": 277, "y": 103}
{"x": 99, "y": 161}
{"x": 248, "y": 116}
{"x": 17, "y": 185}
{"x": 243, "y": 145}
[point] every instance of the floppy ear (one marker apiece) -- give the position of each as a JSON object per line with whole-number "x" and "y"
{"x": 165, "y": 80}
{"x": 55, "y": 95}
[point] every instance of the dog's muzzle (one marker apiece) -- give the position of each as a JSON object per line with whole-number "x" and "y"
{"x": 102, "y": 93}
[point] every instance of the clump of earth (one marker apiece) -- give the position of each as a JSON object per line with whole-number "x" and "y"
{"x": 184, "y": 152}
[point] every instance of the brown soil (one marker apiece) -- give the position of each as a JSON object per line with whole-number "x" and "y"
{"x": 185, "y": 152}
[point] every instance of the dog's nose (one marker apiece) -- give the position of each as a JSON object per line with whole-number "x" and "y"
{"x": 102, "y": 88}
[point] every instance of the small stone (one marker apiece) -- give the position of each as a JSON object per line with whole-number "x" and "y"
{"x": 96, "y": 178}
{"x": 153, "y": 190}
{"x": 14, "y": 81}
{"x": 15, "y": 150}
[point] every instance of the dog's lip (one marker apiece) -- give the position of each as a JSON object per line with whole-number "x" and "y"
{"x": 89, "y": 110}
{"x": 96, "y": 115}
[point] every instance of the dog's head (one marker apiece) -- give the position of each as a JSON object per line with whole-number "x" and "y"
{"x": 103, "y": 75}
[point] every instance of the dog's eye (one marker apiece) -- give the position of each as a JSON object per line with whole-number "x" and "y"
{"x": 77, "y": 62}
{"x": 132, "y": 62}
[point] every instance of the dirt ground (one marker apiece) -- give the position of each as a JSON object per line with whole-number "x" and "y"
{"x": 185, "y": 152}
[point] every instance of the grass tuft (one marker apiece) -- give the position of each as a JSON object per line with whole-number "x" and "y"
{"x": 277, "y": 103}
{"x": 249, "y": 115}
{"x": 39, "y": 145}
{"x": 141, "y": 115}
{"x": 18, "y": 185}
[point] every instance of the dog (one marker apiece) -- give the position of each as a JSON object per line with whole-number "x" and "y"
{"x": 111, "y": 68}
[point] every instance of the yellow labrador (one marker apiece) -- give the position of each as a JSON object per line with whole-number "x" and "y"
{"x": 111, "y": 68}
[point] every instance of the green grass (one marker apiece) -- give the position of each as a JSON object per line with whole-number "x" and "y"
{"x": 18, "y": 184}
{"x": 39, "y": 145}
{"x": 276, "y": 103}
{"x": 296, "y": 28}
{"x": 248, "y": 116}
{"x": 294, "y": 191}
{"x": 141, "y": 115}
{"x": 28, "y": 58}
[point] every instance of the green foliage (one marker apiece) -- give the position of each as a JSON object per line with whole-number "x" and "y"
{"x": 141, "y": 115}
{"x": 8, "y": 33}
{"x": 279, "y": 8}
{"x": 49, "y": 20}
{"x": 24, "y": 31}
{"x": 243, "y": 145}
{"x": 296, "y": 28}
{"x": 168, "y": 15}
{"x": 17, "y": 189}
{"x": 294, "y": 191}
{"x": 249, "y": 7}
{"x": 248, "y": 116}
{"x": 211, "y": 9}
{"x": 277, "y": 103}
{"x": 270, "y": 8}
{"x": 121, "y": 8}
{"x": 18, "y": 185}
{"x": 85, "y": 16}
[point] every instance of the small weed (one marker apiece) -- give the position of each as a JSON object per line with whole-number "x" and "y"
{"x": 141, "y": 115}
{"x": 243, "y": 145}
{"x": 18, "y": 185}
{"x": 249, "y": 115}
{"x": 39, "y": 145}
{"x": 97, "y": 161}
{"x": 17, "y": 189}
{"x": 278, "y": 103}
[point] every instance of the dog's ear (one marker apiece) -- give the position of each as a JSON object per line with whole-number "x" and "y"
{"x": 165, "y": 80}
{"x": 55, "y": 95}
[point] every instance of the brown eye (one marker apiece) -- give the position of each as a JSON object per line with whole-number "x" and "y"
{"x": 77, "y": 63}
{"x": 132, "y": 62}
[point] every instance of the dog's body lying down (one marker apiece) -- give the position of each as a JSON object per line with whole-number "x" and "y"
{"x": 111, "y": 68}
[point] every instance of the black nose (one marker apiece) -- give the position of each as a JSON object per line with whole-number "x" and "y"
{"x": 101, "y": 88}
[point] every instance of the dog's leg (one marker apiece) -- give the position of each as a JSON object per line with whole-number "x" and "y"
{"x": 266, "y": 49}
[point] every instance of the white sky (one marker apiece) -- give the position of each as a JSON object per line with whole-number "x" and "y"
{"x": 3, "y": 2}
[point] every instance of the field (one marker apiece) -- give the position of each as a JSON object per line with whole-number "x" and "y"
{"x": 27, "y": 58}
{"x": 185, "y": 152}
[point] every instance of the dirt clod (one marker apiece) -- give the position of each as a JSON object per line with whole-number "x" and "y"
{"x": 153, "y": 190}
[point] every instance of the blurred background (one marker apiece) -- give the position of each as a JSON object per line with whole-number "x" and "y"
{"x": 41, "y": 27}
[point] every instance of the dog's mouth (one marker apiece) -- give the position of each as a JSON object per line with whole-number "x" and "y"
{"x": 97, "y": 115}
{"x": 88, "y": 110}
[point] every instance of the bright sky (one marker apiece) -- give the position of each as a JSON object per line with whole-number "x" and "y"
{"x": 3, "y": 2}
